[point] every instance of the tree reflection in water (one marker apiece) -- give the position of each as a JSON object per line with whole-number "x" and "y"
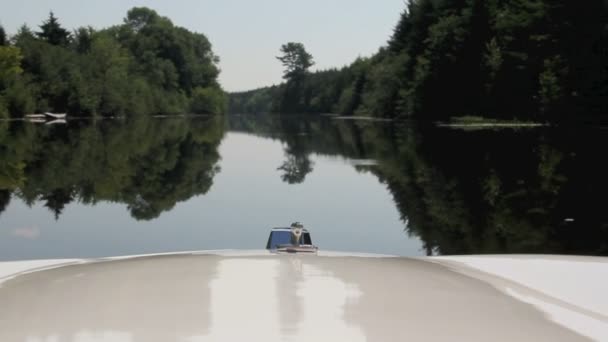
{"x": 471, "y": 191}
{"x": 460, "y": 192}
{"x": 149, "y": 165}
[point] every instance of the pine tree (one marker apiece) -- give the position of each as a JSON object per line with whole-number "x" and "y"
{"x": 52, "y": 32}
{"x": 399, "y": 38}
{"x": 2, "y": 36}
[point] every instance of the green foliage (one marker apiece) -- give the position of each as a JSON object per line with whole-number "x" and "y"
{"x": 511, "y": 59}
{"x": 3, "y": 113}
{"x": 24, "y": 34}
{"x": 254, "y": 101}
{"x": 145, "y": 66}
{"x": 550, "y": 85}
{"x": 19, "y": 98}
{"x": 384, "y": 79}
{"x": 398, "y": 40}
{"x": 446, "y": 37}
{"x": 210, "y": 100}
{"x": 83, "y": 39}
{"x": 3, "y": 39}
{"x": 10, "y": 62}
{"x": 108, "y": 63}
{"x": 52, "y": 32}
{"x": 170, "y": 57}
{"x": 518, "y": 15}
{"x": 296, "y": 60}
{"x": 493, "y": 58}
{"x": 139, "y": 17}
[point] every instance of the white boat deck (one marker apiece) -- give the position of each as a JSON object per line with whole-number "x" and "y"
{"x": 254, "y": 295}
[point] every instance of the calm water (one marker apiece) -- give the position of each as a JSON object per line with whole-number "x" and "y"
{"x": 91, "y": 189}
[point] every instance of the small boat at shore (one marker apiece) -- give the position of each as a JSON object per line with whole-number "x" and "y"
{"x": 46, "y": 115}
{"x": 34, "y": 116}
{"x": 56, "y": 115}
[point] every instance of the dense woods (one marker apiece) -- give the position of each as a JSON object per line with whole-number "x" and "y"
{"x": 147, "y": 65}
{"x": 526, "y": 59}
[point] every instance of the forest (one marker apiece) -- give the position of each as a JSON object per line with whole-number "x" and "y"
{"x": 144, "y": 66}
{"x": 537, "y": 60}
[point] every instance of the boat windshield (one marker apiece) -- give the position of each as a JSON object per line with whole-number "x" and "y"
{"x": 282, "y": 238}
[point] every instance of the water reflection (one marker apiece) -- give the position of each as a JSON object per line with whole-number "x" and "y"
{"x": 469, "y": 192}
{"x": 449, "y": 191}
{"x": 149, "y": 165}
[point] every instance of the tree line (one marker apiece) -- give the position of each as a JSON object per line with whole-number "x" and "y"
{"x": 526, "y": 59}
{"x": 146, "y": 65}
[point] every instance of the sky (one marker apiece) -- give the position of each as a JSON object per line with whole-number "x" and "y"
{"x": 246, "y": 34}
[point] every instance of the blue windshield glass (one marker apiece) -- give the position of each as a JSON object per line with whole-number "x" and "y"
{"x": 284, "y": 238}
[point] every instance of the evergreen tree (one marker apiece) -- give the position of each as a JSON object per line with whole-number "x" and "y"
{"x": 296, "y": 60}
{"x": 24, "y": 34}
{"x": 528, "y": 59}
{"x": 52, "y": 32}
{"x": 3, "y": 40}
{"x": 399, "y": 38}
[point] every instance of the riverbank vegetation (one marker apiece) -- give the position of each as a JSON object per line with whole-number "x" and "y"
{"x": 538, "y": 60}
{"x": 146, "y": 65}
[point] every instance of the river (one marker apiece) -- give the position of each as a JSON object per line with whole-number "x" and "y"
{"x": 114, "y": 187}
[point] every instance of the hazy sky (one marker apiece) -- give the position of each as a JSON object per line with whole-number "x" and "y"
{"x": 246, "y": 34}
